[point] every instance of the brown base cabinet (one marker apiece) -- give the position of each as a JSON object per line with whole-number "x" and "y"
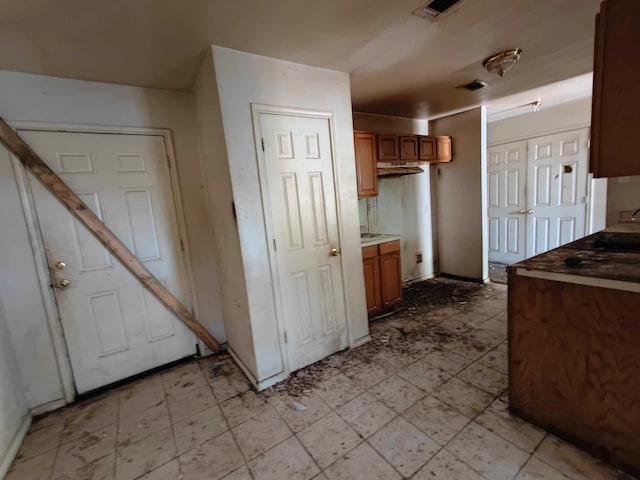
{"x": 382, "y": 276}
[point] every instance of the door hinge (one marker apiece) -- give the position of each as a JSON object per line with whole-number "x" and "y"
{"x": 181, "y": 245}
{"x": 588, "y": 144}
{"x": 275, "y": 249}
{"x": 262, "y": 142}
{"x": 286, "y": 339}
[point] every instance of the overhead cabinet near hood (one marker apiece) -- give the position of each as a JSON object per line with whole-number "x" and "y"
{"x": 385, "y": 154}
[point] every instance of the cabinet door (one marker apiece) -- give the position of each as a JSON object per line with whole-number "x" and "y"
{"x": 408, "y": 149}
{"x": 427, "y": 149}
{"x": 366, "y": 164}
{"x": 390, "y": 279}
{"x": 616, "y": 99}
{"x": 388, "y": 148}
{"x": 371, "y": 267}
{"x": 443, "y": 149}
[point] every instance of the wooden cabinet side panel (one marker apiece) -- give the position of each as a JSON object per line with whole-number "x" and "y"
{"x": 391, "y": 279}
{"x": 574, "y": 364}
{"x": 596, "y": 99}
{"x": 443, "y": 149}
{"x": 366, "y": 164}
{"x": 371, "y": 268}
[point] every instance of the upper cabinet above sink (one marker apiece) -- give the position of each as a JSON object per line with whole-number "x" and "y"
{"x": 396, "y": 150}
{"x": 616, "y": 98}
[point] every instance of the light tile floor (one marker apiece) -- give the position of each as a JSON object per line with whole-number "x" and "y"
{"x": 434, "y": 409}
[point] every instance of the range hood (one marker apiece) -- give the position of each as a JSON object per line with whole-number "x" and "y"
{"x": 394, "y": 171}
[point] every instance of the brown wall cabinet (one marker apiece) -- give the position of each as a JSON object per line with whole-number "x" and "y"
{"x": 408, "y": 149}
{"x": 388, "y": 148}
{"x": 382, "y": 276}
{"x": 366, "y": 164}
{"x": 428, "y": 149}
{"x": 615, "y": 115}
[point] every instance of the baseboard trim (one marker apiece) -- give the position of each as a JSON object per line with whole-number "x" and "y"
{"x": 420, "y": 278}
{"x": 14, "y": 447}
{"x": 48, "y": 407}
{"x": 361, "y": 341}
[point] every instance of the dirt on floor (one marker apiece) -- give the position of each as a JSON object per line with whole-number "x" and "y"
{"x": 404, "y": 332}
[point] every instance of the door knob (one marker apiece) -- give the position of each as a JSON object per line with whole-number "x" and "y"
{"x": 522, "y": 212}
{"x": 335, "y": 252}
{"x": 64, "y": 284}
{"x": 60, "y": 265}
{"x": 529, "y": 212}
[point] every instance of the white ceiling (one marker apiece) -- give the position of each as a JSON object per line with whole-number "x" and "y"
{"x": 400, "y": 64}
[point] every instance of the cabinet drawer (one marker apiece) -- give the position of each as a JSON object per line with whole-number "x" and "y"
{"x": 389, "y": 247}
{"x": 369, "y": 252}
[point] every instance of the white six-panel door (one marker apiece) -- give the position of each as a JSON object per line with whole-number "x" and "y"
{"x": 557, "y": 190}
{"x": 537, "y": 192}
{"x": 302, "y": 197}
{"x": 113, "y": 327}
{"x": 506, "y": 184}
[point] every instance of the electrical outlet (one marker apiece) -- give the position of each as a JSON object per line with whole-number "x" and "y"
{"x": 419, "y": 257}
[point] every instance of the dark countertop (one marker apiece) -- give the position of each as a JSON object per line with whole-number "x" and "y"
{"x": 595, "y": 262}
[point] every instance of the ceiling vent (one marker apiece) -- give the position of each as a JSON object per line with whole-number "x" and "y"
{"x": 435, "y": 8}
{"x": 474, "y": 85}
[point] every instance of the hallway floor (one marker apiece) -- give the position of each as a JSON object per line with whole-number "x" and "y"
{"x": 425, "y": 399}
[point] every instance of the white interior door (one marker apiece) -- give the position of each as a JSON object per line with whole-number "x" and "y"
{"x": 113, "y": 327}
{"x": 556, "y": 190}
{"x": 506, "y": 184}
{"x": 299, "y": 169}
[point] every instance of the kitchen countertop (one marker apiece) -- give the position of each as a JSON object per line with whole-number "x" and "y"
{"x": 368, "y": 239}
{"x": 596, "y": 263}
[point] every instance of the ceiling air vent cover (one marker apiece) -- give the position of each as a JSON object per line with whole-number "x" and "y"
{"x": 474, "y": 85}
{"x": 434, "y": 8}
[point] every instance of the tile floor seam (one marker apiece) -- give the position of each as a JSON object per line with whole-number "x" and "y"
{"x": 389, "y": 463}
{"x": 173, "y": 430}
{"x": 440, "y": 447}
{"x": 116, "y": 449}
{"x": 331, "y": 410}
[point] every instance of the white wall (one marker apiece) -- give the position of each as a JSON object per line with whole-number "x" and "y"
{"x": 403, "y": 204}
{"x": 461, "y": 227}
{"x": 217, "y": 178}
{"x": 14, "y": 410}
{"x": 559, "y": 118}
{"x": 623, "y": 197}
{"x": 34, "y": 98}
{"x": 567, "y": 116}
{"x": 243, "y": 79}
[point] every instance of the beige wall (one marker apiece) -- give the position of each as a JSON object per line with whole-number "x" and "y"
{"x": 567, "y": 116}
{"x": 461, "y": 220}
{"x": 34, "y": 98}
{"x": 403, "y": 204}
{"x": 14, "y": 410}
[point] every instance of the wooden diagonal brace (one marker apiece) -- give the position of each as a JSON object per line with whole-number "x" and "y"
{"x": 105, "y": 236}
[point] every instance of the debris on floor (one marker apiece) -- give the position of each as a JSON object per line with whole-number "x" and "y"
{"x": 407, "y": 332}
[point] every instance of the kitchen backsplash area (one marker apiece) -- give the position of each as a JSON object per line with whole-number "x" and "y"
{"x": 623, "y": 197}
